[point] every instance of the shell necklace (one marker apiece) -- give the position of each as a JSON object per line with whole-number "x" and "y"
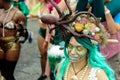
{"x": 8, "y": 12}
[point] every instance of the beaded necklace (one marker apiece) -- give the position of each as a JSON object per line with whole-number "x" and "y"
{"x": 74, "y": 77}
{"x": 8, "y": 12}
{"x": 83, "y": 74}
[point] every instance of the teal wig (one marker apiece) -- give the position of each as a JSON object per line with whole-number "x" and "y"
{"x": 95, "y": 58}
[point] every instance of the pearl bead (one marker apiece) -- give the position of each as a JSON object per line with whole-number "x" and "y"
{"x": 74, "y": 77}
{"x": 83, "y": 74}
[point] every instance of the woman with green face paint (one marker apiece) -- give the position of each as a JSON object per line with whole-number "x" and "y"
{"x": 82, "y": 59}
{"x": 83, "y": 62}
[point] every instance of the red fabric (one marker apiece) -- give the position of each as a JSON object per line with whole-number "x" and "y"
{"x": 50, "y": 6}
{"x": 111, "y": 49}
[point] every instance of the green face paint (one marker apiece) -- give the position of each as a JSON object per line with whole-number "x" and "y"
{"x": 76, "y": 53}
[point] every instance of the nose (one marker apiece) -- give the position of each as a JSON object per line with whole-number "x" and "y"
{"x": 73, "y": 52}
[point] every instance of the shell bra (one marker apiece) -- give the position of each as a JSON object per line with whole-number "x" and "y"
{"x": 6, "y": 24}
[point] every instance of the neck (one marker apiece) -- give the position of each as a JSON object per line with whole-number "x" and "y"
{"x": 7, "y": 6}
{"x": 79, "y": 64}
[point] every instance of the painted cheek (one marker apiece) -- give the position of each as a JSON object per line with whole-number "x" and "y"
{"x": 82, "y": 53}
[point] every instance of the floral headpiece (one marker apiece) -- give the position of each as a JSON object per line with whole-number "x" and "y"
{"x": 89, "y": 25}
{"x": 79, "y": 24}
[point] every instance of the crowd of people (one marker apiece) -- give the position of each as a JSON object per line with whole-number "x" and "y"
{"x": 77, "y": 39}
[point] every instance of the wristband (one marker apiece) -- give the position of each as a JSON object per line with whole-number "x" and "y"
{"x": 107, "y": 11}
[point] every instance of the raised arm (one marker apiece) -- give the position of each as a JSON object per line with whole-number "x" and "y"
{"x": 112, "y": 26}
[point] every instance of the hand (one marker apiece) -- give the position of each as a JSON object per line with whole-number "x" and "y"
{"x": 47, "y": 40}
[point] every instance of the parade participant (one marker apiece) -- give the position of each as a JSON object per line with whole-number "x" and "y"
{"x": 113, "y": 28}
{"x": 82, "y": 59}
{"x": 111, "y": 50}
{"x": 41, "y": 36}
{"x": 80, "y": 49}
{"x": 11, "y": 22}
{"x": 45, "y": 8}
{"x": 21, "y": 5}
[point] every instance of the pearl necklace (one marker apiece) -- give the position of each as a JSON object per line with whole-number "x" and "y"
{"x": 83, "y": 74}
{"x": 74, "y": 77}
{"x": 8, "y": 12}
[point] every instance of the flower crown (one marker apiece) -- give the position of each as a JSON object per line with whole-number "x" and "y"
{"x": 88, "y": 24}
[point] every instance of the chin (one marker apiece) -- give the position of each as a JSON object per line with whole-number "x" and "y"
{"x": 74, "y": 61}
{"x": 73, "y": 58}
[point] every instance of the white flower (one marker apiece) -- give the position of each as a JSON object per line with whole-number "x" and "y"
{"x": 85, "y": 31}
{"x": 93, "y": 33}
{"x": 97, "y": 29}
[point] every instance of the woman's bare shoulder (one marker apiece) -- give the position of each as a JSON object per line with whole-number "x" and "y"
{"x": 101, "y": 75}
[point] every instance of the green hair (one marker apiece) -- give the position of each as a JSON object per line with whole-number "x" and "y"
{"x": 95, "y": 58}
